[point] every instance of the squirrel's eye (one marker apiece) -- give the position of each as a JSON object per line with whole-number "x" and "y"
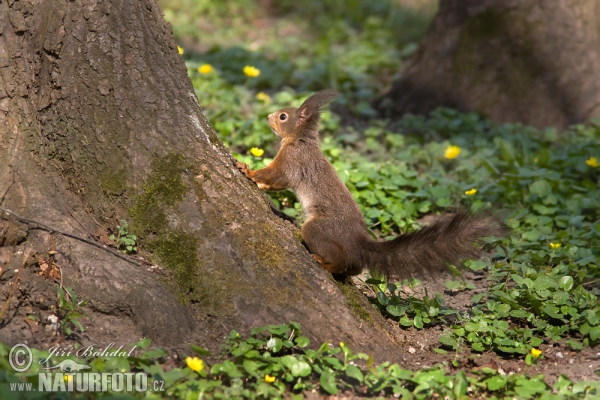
{"x": 283, "y": 116}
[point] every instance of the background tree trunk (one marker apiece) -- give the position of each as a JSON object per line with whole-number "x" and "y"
{"x": 98, "y": 122}
{"x": 530, "y": 61}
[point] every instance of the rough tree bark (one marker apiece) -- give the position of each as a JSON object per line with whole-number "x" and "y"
{"x": 98, "y": 122}
{"x": 530, "y": 61}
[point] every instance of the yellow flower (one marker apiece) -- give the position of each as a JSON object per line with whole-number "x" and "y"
{"x": 554, "y": 245}
{"x": 205, "y": 69}
{"x": 592, "y": 162}
{"x": 263, "y": 97}
{"x": 342, "y": 344}
{"x": 471, "y": 192}
{"x": 252, "y": 72}
{"x": 68, "y": 378}
{"x": 452, "y": 152}
{"x": 269, "y": 378}
{"x": 180, "y": 50}
{"x": 536, "y": 352}
{"x": 256, "y": 152}
{"x": 195, "y": 364}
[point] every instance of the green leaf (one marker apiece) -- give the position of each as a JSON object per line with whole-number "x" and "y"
{"x": 418, "y": 322}
{"x": 596, "y": 228}
{"x": 576, "y": 221}
{"x": 461, "y": 385}
{"x": 80, "y": 326}
{"x": 201, "y": 351}
{"x": 354, "y": 372}
{"x": 383, "y": 299}
{"x": 530, "y": 387}
{"x": 553, "y": 312}
{"x": 301, "y": 368}
{"x": 334, "y": 362}
{"x": 478, "y": 347}
{"x": 541, "y": 188}
{"x": 595, "y": 332}
{"x": 566, "y": 283}
{"x": 302, "y": 341}
{"x": 396, "y": 310}
{"x": 574, "y": 344}
{"x": 453, "y": 285}
{"x": 328, "y": 382}
{"x": 532, "y": 235}
{"x": 242, "y": 349}
{"x": 496, "y": 382}
{"x": 439, "y": 192}
{"x": 154, "y": 353}
{"x": 544, "y": 282}
{"x": 448, "y": 341}
{"x": 477, "y": 265}
{"x": 519, "y": 313}
{"x": 274, "y": 344}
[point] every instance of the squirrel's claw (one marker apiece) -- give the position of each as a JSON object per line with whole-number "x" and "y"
{"x": 243, "y": 167}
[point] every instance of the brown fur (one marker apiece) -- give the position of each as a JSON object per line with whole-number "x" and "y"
{"x": 335, "y": 231}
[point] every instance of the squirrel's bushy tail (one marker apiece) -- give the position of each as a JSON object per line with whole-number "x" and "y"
{"x": 448, "y": 240}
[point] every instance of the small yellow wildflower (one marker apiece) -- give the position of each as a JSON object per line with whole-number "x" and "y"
{"x": 535, "y": 160}
{"x": 592, "y": 162}
{"x": 471, "y": 192}
{"x": 205, "y": 69}
{"x": 180, "y": 50}
{"x": 256, "y": 152}
{"x": 452, "y": 152}
{"x": 263, "y": 97}
{"x": 68, "y": 378}
{"x": 554, "y": 245}
{"x": 195, "y": 364}
{"x": 342, "y": 344}
{"x": 536, "y": 352}
{"x": 269, "y": 378}
{"x": 251, "y": 71}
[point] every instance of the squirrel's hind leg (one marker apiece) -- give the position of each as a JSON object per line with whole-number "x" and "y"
{"x": 334, "y": 268}
{"x": 334, "y": 245}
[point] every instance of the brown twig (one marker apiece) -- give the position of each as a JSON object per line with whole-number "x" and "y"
{"x": 590, "y": 282}
{"x": 14, "y": 285}
{"x": 52, "y": 230}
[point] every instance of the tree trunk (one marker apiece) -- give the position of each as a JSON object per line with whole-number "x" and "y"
{"x": 99, "y": 122}
{"x": 530, "y": 61}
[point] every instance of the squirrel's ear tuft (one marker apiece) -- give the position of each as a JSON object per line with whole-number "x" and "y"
{"x": 313, "y": 104}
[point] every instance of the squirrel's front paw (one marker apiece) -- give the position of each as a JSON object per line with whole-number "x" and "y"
{"x": 243, "y": 167}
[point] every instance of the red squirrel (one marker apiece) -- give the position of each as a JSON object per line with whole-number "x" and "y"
{"x": 334, "y": 231}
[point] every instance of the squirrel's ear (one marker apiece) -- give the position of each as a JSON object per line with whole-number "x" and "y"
{"x": 306, "y": 112}
{"x": 313, "y": 104}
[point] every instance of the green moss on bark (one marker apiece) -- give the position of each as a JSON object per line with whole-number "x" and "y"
{"x": 178, "y": 251}
{"x": 163, "y": 190}
{"x": 355, "y": 303}
{"x": 113, "y": 182}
